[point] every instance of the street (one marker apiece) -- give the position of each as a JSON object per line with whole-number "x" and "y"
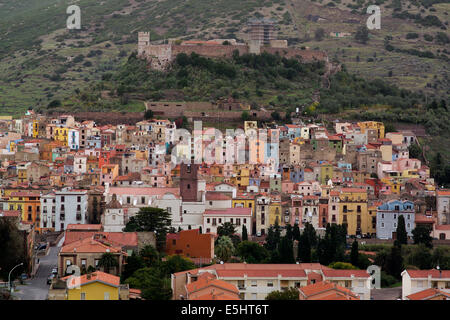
{"x": 37, "y": 288}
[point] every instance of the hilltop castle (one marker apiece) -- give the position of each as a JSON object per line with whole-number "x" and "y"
{"x": 262, "y": 39}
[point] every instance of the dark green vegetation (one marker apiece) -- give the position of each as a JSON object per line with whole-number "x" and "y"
{"x": 12, "y": 250}
{"x": 151, "y": 220}
{"x": 257, "y": 79}
{"x": 145, "y": 270}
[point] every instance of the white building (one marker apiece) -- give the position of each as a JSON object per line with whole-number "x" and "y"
{"x": 236, "y": 216}
{"x": 48, "y": 211}
{"x": 418, "y": 280}
{"x": 113, "y": 219}
{"x": 71, "y": 208}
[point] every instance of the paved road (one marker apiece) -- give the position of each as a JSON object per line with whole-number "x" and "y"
{"x": 387, "y": 293}
{"x": 37, "y": 288}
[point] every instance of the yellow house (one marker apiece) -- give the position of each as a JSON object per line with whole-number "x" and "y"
{"x": 22, "y": 171}
{"x": 28, "y": 203}
{"x": 379, "y": 126}
{"x": 250, "y": 125}
{"x": 96, "y": 286}
{"x": 275, "y": 211}
{"x": 241, "y": 177}
{"x": 394, "y": 184}
{"x": 326, "y": 172}
{"x": 244, "y": 201}
{"x": 61, "y": 134}
{"x": 353, "y": 210}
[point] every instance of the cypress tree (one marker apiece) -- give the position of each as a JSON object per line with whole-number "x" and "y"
{"x": 402, "y": 236}
{"x": 296, "y": 232}
{"x": 354, "y": 254}
{"x": 244, "y": 233}
{"x": 304, "y": 248}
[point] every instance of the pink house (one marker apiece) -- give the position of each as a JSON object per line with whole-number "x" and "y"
{"x": 287, "y": 186}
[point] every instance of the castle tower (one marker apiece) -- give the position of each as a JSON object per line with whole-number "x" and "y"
{"x": 143, "y": 42}
{"x": 189, "y": 182}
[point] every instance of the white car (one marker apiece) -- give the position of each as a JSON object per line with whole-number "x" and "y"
{"x": 55, "y": 270}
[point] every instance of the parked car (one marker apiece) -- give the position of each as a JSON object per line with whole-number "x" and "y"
{"x": 50, "y": 278}
{"x": 55, "y": 271}
{"x": 258, "y": 234}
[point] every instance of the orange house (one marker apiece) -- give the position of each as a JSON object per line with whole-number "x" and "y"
{"x": 192, "y": 244}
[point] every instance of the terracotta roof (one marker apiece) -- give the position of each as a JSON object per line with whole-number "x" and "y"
{"x": 89, "y": 245}
{"x": 96, "y": 276}
{"x": 421, "y": 218}
{"x": 443, "y": 227}
{"x": 85, "y": 227}
{"x": 353, "y": 190}
{"x": 427, "y": 294}
{"x": 10, "y": 213}
{"x": 216, "y": 196}
{"x": 117, "y": 238}
{"x": 336, "y": 291}
{"x": 443, "y": 192}
{"x": 206, "y": 282}
{"x": 216, "y": 296}
{"x": 417, "y": 274}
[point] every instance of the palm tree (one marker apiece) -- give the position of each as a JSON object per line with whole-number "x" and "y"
{"x": 108, "y": 261}
{"x": 224, "y": 248}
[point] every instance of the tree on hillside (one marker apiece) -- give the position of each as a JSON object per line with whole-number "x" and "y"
{"x": 421, "y": 257}
{"x": 289, "y": 294}
{"x": 304, "y": 248}
{"x": 153, "y": 220}
{"x": 415, "y": 152}
{"x": 176, "y": 263}
{"x": 148, "y": 114}
{"x": 402, "y": 235}
{"x": 224, "y": 248}
{"x": 108, "y": 261}
{"x": 421, "y": 234}
{"x": 245, "y": 116}
{"x": 362, "y": 34}
{"x": 152, "y": 282}
{"x": 354, "y": 254}
{"x": 319, "y": 34}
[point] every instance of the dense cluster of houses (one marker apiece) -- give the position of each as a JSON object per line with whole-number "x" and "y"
{"x": 58, "y": 174}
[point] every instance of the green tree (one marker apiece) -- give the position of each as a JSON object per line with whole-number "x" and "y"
{"x": 108, "y": 261}
{"x": 273, "y": 238}
{"x": 149, "y": 256}
{"x": 362, "y": 35}
{"x": 296, "y": 232}
{"x": 304, "y": 248}
{"x": 152, "y": 282}
{"x": 354, "y": 254}
{"x": 342, "y": 266}
{"x": 148, "y": 114}
{"x": 421, "y": 257}
{"x": 275, "y": 116}
{"x": 319, "y": 34}
{"x": 176, "y": 263}
{"x": 289, "y": 294}
{"x": 244, "y": 233}
{"x": 153, "y": 220}
{"x": 415, "y": 151}
{"x": 224, "y": 248}
{"x": 252, "y": 252}
{"x": 394, "y": 261}
{"x": 226, "y": 229}
{"x": 245, "y": 116}
{"x": 421, "y": 234}
{"x": 286, "y": 251}
{"x": 402, "y": 236}
{"x": 134, "y": 263}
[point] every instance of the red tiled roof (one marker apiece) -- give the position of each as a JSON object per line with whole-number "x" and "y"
{"x": 89, "y": 245}
{"x": 118, "y": 238}
{"x": 443, "y": 227}
{"x": 216, "y": 196}
{"x": 85, "y": 227}
{"x": 96, "y": 276}
{"x": 206, "y": 282}
{"x": 10, "y": 213}
{"x": 427, "y": 294}
{"x": 421, "y": 218}
{"x": 425, "y": 273}
{"x": 323, "y": 286}
{"x": 443, "y": 192}
{"x": 216, "y": 296}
